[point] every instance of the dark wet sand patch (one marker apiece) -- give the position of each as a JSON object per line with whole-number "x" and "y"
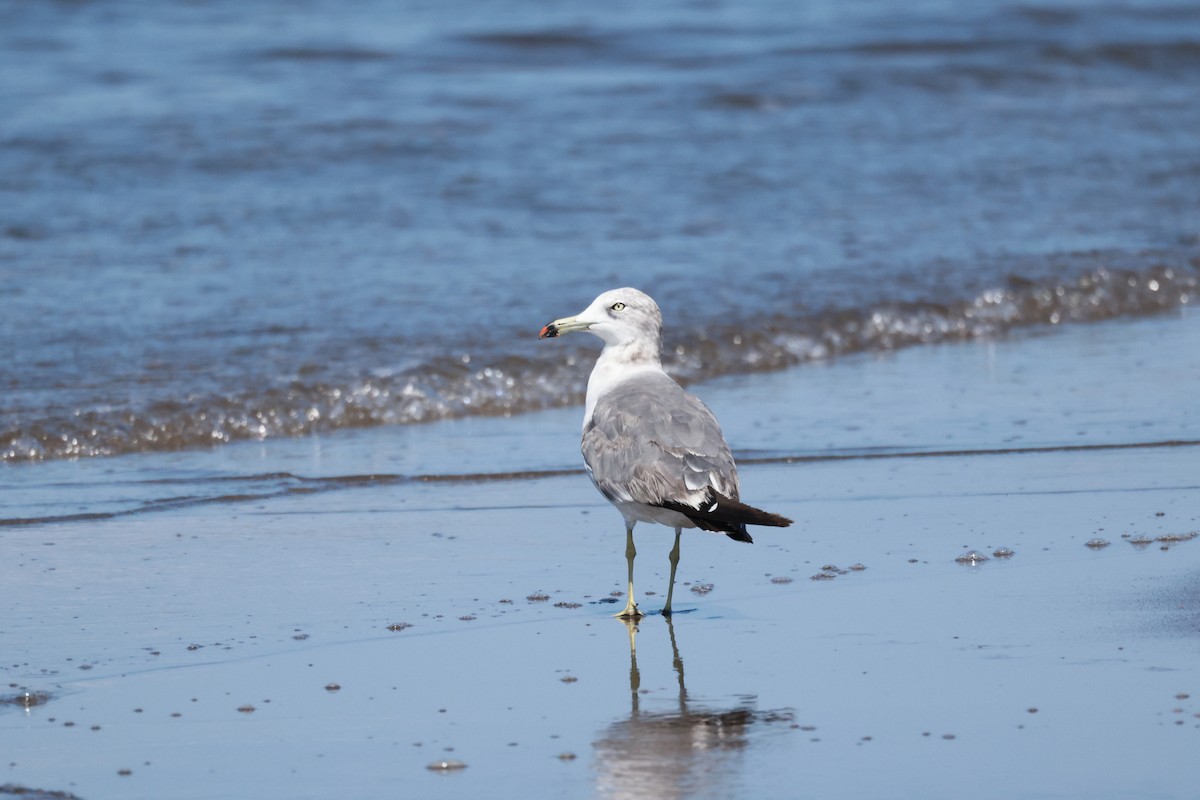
{"x": 26, "y": 698}
{"x": 28, "y": 793}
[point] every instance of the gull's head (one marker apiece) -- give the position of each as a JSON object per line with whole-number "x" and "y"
{"x": 619, "y": 317}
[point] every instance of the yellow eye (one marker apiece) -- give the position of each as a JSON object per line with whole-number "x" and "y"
{"x": 617, "y": 306}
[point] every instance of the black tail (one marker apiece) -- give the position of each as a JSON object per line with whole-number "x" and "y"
{"x": 723, "y": 515}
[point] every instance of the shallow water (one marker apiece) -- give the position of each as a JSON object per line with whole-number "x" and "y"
{"x": 1061, "y": 671}
{"x": 219, "y": 223}
{"x": 866, "y": 406}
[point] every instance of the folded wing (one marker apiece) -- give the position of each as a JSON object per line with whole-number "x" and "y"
{"x": 650, "y": 442}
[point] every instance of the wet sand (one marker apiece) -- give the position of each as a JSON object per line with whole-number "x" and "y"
{"x": 340, "y": 643}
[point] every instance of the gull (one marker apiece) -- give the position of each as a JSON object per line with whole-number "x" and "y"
{"x": 653, "y": 450}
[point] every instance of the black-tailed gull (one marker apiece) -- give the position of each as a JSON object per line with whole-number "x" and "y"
{"x": 655, "y": 451}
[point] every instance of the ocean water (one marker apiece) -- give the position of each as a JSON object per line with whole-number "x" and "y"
{"x": 224, "y": 223}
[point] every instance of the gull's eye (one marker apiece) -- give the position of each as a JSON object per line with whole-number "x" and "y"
{"x": 617, "y": 306}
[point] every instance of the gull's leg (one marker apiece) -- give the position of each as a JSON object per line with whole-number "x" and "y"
{"x": 674, "y": 556}
{"x": 631, "y": 609}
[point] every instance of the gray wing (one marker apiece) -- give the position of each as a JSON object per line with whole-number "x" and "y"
{"x": 649, "y": 441}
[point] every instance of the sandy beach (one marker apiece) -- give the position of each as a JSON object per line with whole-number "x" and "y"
{"x": 350, "y": 641}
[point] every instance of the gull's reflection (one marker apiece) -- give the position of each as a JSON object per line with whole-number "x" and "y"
{"x": 681, "y": 750}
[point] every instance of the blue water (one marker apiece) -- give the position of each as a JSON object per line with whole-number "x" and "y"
{"x": 222, "y": 222}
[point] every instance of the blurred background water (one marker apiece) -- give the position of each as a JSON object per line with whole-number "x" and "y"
{"x": 223, "y": 221}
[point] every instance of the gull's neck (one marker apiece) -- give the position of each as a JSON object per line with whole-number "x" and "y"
{"x": 618, "y": 362}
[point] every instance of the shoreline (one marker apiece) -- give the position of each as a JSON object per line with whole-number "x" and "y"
{"x": 423, "y": 604}
{"x": 1044, "y": 389}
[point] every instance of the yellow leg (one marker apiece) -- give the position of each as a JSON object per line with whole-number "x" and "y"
{"x": 674, "y": 556}
{"x": 631, "y": 609}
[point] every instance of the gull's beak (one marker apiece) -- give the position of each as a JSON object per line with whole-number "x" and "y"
{"x": 561, "y": 326}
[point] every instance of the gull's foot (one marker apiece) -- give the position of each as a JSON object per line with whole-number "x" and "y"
{"x": 631, "y": 612}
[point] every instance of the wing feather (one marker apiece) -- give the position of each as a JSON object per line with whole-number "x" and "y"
{"x": 651, "y": 442}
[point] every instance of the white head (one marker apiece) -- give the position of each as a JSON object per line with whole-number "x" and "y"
{"x": 623, "y": 318}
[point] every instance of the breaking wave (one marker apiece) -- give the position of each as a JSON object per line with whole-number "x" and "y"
{"x": 511, "y": 384}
